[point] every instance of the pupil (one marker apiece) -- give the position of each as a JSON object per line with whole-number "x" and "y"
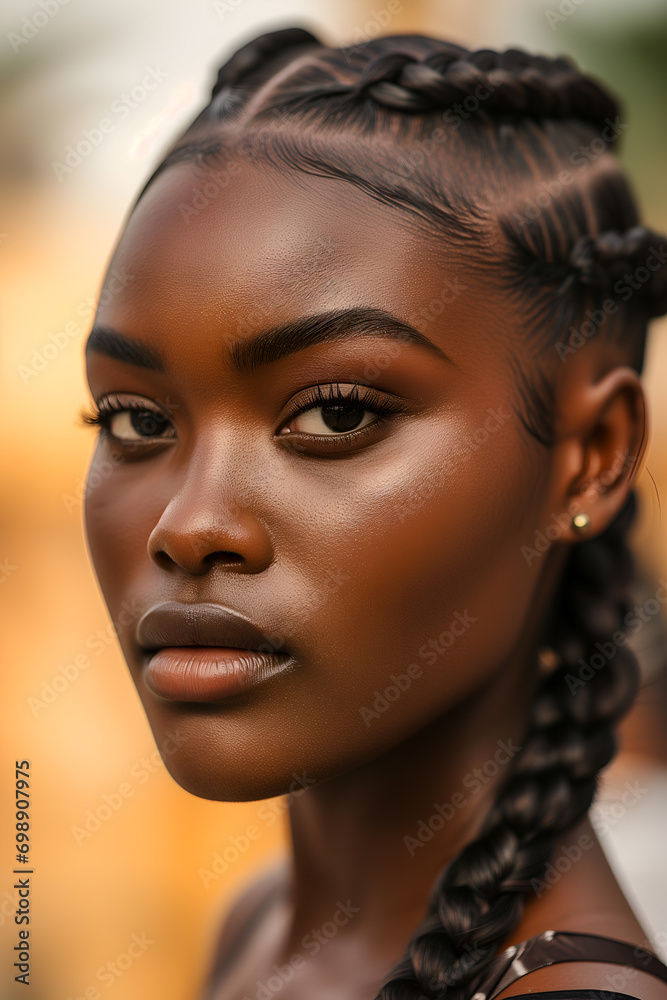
{"x": 342, "y": 418}
{"x": 146, "y": 422}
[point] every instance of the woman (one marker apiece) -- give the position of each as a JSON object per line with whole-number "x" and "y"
{"x": 370, "y": 409}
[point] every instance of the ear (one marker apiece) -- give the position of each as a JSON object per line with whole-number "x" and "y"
{"x": 601, "y": 439}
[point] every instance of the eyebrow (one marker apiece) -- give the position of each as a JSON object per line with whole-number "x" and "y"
{"x": 277, "y": 342}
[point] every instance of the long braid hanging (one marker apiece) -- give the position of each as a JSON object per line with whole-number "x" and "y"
{"x": 479, "y": 897}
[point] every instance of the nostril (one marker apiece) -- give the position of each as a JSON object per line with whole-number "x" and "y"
{"x": 163, "y": 559}
{"x": 197, "y": 563}
{"x": 222, "y": 556}
{"x": 193, "y": 542}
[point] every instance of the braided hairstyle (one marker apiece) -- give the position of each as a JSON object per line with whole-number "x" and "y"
{"x": 503, "y": 157}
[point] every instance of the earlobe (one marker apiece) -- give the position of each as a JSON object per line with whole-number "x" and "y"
{"x": 608, "y": 433}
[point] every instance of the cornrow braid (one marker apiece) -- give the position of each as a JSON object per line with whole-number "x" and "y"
{"x": 516, "y": 118}
{"x": 515, "y": 83}
{"x": 257, "y": 53}
{"x": 529, "y": 111}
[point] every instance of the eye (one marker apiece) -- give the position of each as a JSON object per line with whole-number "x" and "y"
{"x": 129, "y": 421}
{"x": 333, "y": 415}
{"x": 134, "y": 424}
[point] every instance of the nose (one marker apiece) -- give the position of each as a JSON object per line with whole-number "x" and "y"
{"x": 211, "y": 519}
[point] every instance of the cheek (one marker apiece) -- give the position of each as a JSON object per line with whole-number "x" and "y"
{"x": 118, "y": 521}
{"x": 417, "y": 573}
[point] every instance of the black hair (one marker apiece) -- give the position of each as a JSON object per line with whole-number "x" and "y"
{"x": 503, "y": 157}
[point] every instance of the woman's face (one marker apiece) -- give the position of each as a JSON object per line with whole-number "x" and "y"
{"x": 382, "y": 551}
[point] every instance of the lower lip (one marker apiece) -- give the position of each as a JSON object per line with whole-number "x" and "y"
{"x": 210, "y": 673}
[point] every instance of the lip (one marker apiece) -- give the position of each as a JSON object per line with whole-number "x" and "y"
{"x": 205, "y": 652}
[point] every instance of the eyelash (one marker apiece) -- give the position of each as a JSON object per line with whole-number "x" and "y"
{"x": 368, "y": 398}
{"x": 100, "y": 416}
{"x": 316, "y": 396}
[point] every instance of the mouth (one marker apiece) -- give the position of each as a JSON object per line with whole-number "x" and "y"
{"x": 205, "y": 652}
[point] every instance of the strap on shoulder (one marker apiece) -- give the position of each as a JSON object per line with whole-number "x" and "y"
{"x": 553, "y": 947}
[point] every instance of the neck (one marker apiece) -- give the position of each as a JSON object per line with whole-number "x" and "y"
{"x": 375, "y": 839}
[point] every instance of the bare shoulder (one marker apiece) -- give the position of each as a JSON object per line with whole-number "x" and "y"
{"x": 241, "y": 918}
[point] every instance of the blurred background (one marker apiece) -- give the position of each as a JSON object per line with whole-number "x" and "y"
{"x": 111, "y": 868}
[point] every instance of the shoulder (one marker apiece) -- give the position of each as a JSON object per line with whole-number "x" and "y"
{"x": 575, "y": 995}
{"x": 242, "y": 918}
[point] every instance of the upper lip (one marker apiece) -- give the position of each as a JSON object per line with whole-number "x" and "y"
{"x": 173, "y": 623}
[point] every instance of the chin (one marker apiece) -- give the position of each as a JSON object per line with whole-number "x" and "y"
{"x": 203, "y": 755}
{"x": 223, "y": 785}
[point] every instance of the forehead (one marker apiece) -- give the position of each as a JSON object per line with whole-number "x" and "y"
{"x": 255, "y": 246}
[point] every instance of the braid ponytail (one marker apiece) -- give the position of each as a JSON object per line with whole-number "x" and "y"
{"x": 479, "y": 898}
{"x": 611, "y": 256}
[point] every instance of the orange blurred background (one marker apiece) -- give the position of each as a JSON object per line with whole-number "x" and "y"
{"x": 79, "y": 721}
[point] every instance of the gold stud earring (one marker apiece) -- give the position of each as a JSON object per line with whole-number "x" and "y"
{"x": 581, "y": 523}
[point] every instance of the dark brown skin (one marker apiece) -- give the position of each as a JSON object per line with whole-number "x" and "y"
{"x": 357, "y": 557}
